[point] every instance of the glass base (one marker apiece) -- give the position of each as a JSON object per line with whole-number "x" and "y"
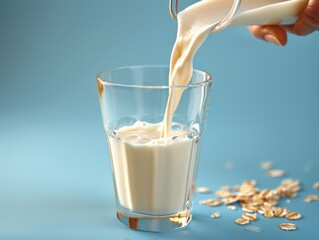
{"x": 151, "y": 223}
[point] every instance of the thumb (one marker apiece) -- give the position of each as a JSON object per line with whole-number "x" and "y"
{"x": 308, "y": 21}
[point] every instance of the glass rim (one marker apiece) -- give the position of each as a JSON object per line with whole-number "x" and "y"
{"x": 208, "y": 78}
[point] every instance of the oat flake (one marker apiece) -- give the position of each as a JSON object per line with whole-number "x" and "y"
{"x": 287, "y": 226}
{"x": 241, "y": 221}
{"x": 276, "y": 173}
{"x": 266, "y": 165}
{"x": 203, "y": 190}
{"x": 249, "y": 216}
{"x": 215, "y": 215}
{"x": 293, "y": 216}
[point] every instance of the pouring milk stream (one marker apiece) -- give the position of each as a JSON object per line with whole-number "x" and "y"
{"x": 195, "y": 24}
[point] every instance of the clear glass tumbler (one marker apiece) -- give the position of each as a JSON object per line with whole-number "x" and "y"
{"x": 154, "y": 176}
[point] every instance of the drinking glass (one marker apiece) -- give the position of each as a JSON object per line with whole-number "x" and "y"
{"x": 154, "y": 176}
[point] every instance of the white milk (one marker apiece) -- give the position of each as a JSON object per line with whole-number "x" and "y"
{"x": 153, "y": 175}
{"x": 195, "y": 23}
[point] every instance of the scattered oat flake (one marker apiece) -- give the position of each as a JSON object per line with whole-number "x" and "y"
{"x": 235, "y": 188}
{"x": 232, "y": 207}
{"x": 249, "y": 216}
{"x": 250, "y": 209}
{"x": 211, "y": 202}
{"x": 276, "y": 173}
{"x": 289, "y": 181}
{"x": 254, "y": 200}
{"x": 308, "y": 200}
{"x": 266, "y": 165}
{"x": 266, "y": 194}
{"x": 215, "y": 215}
{"x": 222, "y": 193}
{"x": 268, "y": 213}
{"x": 231, "y": 199}
{"x": 214, "y": 203}
{"x": 281, "y": 212}
{"x": 293, "y": 216}
{"x": 316, "y": 185}
{"x": 203, "y": 190}
{"x": 225, "y": 188}
{"x": 264, "y": 208}
{"x": 288, "y": 226}
{"x": 271, "y": 202}
{"x": 250, "y": 182}
{"x": 291, "y": 195}
{"x": 241, "y": 221}
{"x": 311, "y": 197}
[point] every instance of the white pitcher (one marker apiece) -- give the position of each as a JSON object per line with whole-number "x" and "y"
{"x": 251, "y": 12}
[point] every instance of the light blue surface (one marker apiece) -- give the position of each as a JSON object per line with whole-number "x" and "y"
{"x": 55, "y": 176}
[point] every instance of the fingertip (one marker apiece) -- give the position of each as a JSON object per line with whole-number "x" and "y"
{"x": 273, "y": 34}
{"x": 256, "y": 31}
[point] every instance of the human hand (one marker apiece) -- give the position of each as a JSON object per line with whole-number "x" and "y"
{"x": 307, "y": 23}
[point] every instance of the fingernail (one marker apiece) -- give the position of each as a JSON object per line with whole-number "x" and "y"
{"x": 273, "y": 39}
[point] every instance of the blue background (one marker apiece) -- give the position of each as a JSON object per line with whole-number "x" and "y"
{"x": 55, "y": 175}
